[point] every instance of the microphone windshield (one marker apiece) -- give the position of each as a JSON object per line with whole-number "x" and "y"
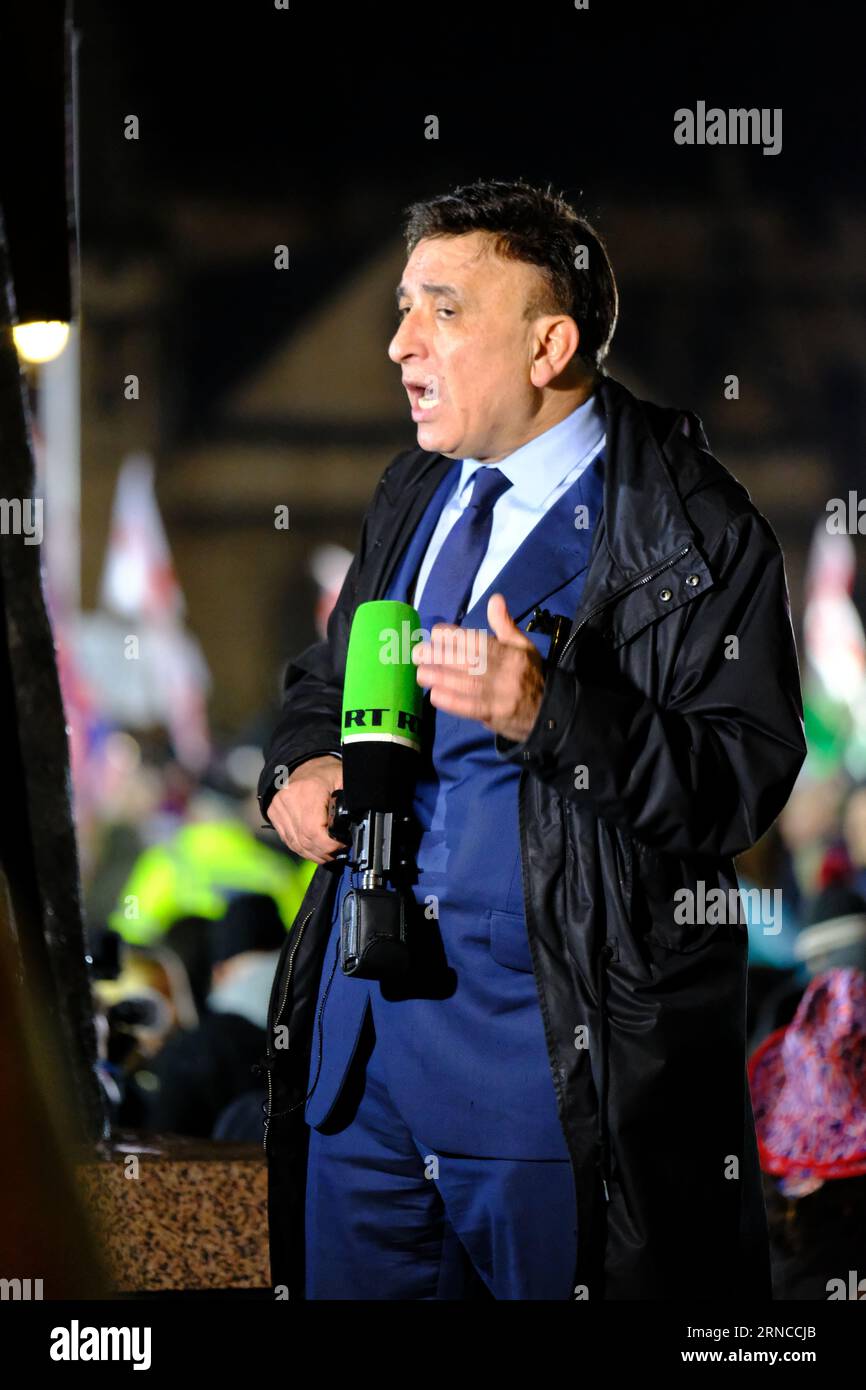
{"x": 382, "y": 708}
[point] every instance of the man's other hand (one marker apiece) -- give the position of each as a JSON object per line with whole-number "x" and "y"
{"x": 503, "y": 691}
{"x": 299, "y": 811}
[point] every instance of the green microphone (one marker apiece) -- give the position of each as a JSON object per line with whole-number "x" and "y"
{"x": 382, "y": 708}
{"x": 381, "y": 742}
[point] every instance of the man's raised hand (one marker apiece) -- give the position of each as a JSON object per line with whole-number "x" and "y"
{"x": 503, "y": 692}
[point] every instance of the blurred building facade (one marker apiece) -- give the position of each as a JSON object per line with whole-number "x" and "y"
{"x": 307, "y": 418}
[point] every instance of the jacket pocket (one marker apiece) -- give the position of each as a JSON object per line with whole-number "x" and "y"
{"x": 616, "y": 857}
{"x": 509, "y": 944}
{"x": 676, "y": 904}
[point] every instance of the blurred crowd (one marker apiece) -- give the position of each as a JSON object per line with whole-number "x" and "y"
{"x": 187, "y": 910}
{"x": 188, "y": 901}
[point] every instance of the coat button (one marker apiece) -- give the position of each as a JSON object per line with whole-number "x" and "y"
{"x": 665, "y": 595}
{"x": 551, "y": 723}
{"x": 693, "y": 580}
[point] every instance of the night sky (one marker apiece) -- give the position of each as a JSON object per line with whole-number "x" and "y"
{"x": 251, "y": 100}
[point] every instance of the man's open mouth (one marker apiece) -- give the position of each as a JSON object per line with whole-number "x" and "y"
{"x": 423, "y": 397}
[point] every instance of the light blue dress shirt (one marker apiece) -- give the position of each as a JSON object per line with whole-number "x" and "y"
{"x": 540, "y": 472}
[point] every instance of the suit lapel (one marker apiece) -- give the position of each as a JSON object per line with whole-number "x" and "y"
{"x": 554, "y": 553}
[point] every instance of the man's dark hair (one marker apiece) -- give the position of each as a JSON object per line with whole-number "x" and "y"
{"x": 537, "y": 226}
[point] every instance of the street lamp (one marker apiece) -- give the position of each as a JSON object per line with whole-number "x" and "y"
{"x": 40, "y": 342}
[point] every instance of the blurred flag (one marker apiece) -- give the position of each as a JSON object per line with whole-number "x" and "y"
{"x": 87, "y": 733}
{"x": 834, "y": 681}
{"x": 138, "y": 580}
{"x": 144, "y": 666}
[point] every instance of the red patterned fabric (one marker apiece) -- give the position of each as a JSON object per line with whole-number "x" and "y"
{"x": 808, "y": 1083}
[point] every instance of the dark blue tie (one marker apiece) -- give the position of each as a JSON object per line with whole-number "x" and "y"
{"x": 445, "y": 595}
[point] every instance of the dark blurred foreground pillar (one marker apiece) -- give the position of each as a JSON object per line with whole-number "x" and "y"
{"x": 38, "y": 849}
{"x": 50, "y": 1097}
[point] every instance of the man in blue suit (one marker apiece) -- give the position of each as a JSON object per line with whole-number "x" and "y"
{"x": 555, "y": 1102}
{"x": 438, "y": 1165}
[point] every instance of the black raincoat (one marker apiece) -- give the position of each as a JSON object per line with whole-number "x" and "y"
{"x": 678, "y": 693}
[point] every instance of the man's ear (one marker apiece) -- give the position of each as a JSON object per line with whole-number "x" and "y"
{"x": 560, "y": 337}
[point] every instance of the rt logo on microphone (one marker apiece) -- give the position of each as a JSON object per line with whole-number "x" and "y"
{"x": 467, "y": 645}
{"x": 373, "y": 718}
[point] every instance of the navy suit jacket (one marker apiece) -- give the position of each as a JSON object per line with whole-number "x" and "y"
{"x": 462, "y": 1041}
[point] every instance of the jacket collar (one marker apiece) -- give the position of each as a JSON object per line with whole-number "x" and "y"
{"x": 646, "y": 545}
{"x": 646, "y": 519}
